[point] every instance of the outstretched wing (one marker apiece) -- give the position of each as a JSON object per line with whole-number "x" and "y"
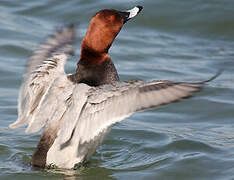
{"x": 92, "y": 111}
{"x": 108, "y": 104}
{"x": 45, "y": 65}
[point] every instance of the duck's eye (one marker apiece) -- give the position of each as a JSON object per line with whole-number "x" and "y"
{"x": 112, "y": 18}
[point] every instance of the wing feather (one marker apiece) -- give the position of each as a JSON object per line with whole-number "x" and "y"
{"x": 94, "y": 110}
{"x": 43, "y": 68}
{"x": 71, "y": 117}
{"x": 109, "y": 104}
{"x": 59, "y": 43}
{"x": 53, "y": 106}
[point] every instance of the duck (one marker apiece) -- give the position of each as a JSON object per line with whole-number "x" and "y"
{"x": 76, "y": 111}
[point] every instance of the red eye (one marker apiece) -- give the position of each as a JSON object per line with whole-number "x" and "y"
{"x": 112, "y": 18}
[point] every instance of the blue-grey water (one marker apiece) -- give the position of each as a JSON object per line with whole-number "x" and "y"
{"x": 177, "y": 40}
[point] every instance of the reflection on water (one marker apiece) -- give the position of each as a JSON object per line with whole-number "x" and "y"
{"x": 179, "y": 40}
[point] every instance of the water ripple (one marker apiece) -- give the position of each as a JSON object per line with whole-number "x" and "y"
{"x": 179, "y": 40}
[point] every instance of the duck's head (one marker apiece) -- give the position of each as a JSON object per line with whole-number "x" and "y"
{"x": 103, "y": 28}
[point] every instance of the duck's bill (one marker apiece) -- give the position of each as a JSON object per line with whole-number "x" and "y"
{"x": 130, "y": 13}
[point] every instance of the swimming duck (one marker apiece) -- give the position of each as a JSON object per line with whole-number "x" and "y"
{"x": 78, "y": 110}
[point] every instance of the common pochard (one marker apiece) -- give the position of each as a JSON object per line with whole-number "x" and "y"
{"x": 78, "y": 110}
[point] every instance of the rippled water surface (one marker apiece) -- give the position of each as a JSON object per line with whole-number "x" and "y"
{"x": 176, "y": 40}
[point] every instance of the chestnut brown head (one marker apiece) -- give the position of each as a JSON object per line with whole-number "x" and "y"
{"x": 104, "y": 27}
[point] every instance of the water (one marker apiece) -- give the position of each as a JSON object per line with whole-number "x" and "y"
{"x": 175, "y": 40}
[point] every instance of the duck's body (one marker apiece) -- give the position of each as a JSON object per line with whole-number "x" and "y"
{"x": 78, "y": 110}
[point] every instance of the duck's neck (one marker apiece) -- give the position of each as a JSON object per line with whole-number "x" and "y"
{"x": 91, "y": 57}
{"x": 94, "y": 69}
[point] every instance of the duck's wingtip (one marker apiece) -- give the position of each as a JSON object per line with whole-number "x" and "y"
{"x": 219, "y": 72}
{"x": 12, "y": 126}
{"x": 67, "y": 26}
{"x": 18, "y": 123}
{"x": 30, "y": 131}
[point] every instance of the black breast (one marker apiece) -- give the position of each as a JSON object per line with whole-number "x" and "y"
{"x": 104, "y": 73}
